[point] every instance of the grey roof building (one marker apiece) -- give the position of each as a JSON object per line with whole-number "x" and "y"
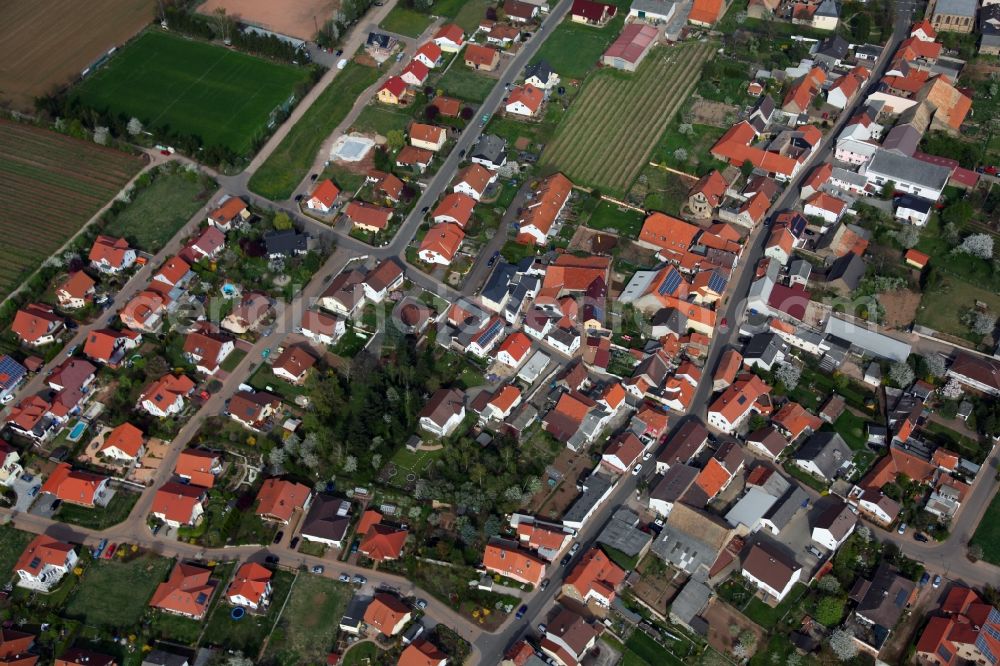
{"x": 903, "y": 140}
{"x": 669, "y": 320}
{"x": 781, "y": 512}
{"x": 751, "y": 508}
{"x": 490, "y": 151}
{"x": 542, "y": 69}
{"x": 846, "y": 272}
{"x": 496, "y": 291}
{"x": 162, "y": 658}
{"x": 691, "y": 538}
{"x": 764, "y": 350}
{"x": 623, "y": 534}
{"x": 871, "y": 343}
{"x": 691, "y": 601}
{"x": 285, "y": 243}
{"x": 596, "y": 489}
{"x": 327, "y": 520}
{"x": 882, "y": 600}
{"x": 909, "y": 175}
{"x": 823, "y": 454}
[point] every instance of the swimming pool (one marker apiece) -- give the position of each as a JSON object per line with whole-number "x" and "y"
{"x": 77, "y": 432}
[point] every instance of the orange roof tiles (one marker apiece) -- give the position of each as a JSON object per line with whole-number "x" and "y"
{"x": 385, "y": 612}
{"x": 917, "y": 258}
{"x": 126, "y": 438}
{"x": 512, "y": 562}
{"x": 516, "y": 344}
{"x": 228, "y": 211}
{"x": 740, "y": 397}
{"x": 395, "y": 86}
{"x": 571, "y": 273}
{"x": 250, "y": 582}
{"x": 34, "y": 321}
{"x": 505, "y": 398}
{"x": 109, "y": 249}
{"x": 951, "y": 105}
{"x": 795, "y": 419}
{"x": 278, "y": 498}
{"x": 475, "y": 176}
{"x": 196, "y": 465}
{"x": 421, "y": 653}
{"x": 827, "y": 202}
{"x": 537, "y": 536}
{"x": 426, "y": 133}
{"x": 672, "y": 235}
{"x": 430, "y": 50}
{"x": 326, "y": 193}
{"x": 188, "y": 591}
{"x": 481, "y": 56}
{"x": 706, "y": 12}
{"x": 596, "y": 572}
{"x": 528, "y": 95}
{"x": 443, "y": 239}
{"x": 712, "y": 478}
{"x": 74, "y": 486}
{"x": 456, "y": 206}
{"x": 382, "y": 542}
{"x": 626, "y": 448}
{"x": 447, "y": 106}
{"x": 451, "y": 32}
{"x": 77, "y": 285}
{"x": 43, "y": 551}
{"x": 549, "y": 199}
{"x": 369, "y": 215}
{"x": 176, "y": 502}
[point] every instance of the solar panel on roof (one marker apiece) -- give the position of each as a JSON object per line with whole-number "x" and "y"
{"x": 717, "y": 282}
{"x": 670, "y": 283}
{"x": 494, "y": 330}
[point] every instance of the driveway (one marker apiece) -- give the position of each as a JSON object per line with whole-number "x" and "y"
{"x": 22, "y": 487}
{"x": 43, "y": 505}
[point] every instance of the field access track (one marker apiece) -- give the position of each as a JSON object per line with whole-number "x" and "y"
{"x": 192, "y": 88}
{"x": 50, "y": 185}
{"x": 615, "y": 122}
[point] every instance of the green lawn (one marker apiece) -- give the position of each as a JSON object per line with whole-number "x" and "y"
{"x": 768, "y": 617}
{"x": 348, "y": 181}
{"x": 115, "y": 594}
{"x": 464, "y": 83}
{"x": 363, "y": 654}
{"x": 115, "y": 512}
{"x": 308, "y": 626}
{"x": 852, "y": 428}
{"x": 158, "y": 211}
{"x": 573, "y": 49}
{"x": 265, "y": 380}
{"x": 406, "y": 21}
{"x": 697, "y": 143}
{"x": 955, "y": 441}
{"x": 248, "y": 634}
{"x": 175, "y": 628}
{"x": 626, "y": 222}
{"x": 942, "y": 308}
{"x": 805, "y": 477}
{"x": 278, "y": 177}
{"x": 381, "y": 119}
{"x": 189, "y": 87}
{"x": 987, "y": 535}
{"x": 644, "y": 650}
{"x": 12, "y": 544}
{"x": 233, "y": 360}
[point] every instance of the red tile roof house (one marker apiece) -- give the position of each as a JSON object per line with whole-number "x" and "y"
{"x": 473, "y": 181}
{"x": 208, "y": 245}
{"x": 36, "y": 325}
{"x": 321, "y": 328}
{"x": 293, "y": 365}
{"x": 381, "y": 542}
{"x": 428, "y": 137}
{"x": 415, "y": 73}
{"x": 441, "y": 244}
{"x": 539, "y": 217}
{"x": 514, "y": 350}
{"x": 454, "y": 207}
{"x": 278, "y": 499}
{"x": 794, "y": 420}
{"x": 78, "y": 487}
{"x": 570, "y": 637}
{"x": 387, "y": 614}
{"x": 622, "y": 453}
{"x": 124, "y": 444}
{"x": 81, "y": 657}
{"x": 109, "y": 346}
{"x": 165, "y": 397}
{"x": 178, "y": 504}
{"x": 449, "y": 38}
{"x": 323, "y": 197}
{"x": 429, "y": 54}
{"x": 144, "y": 312}
{"x": 967, "y": 631}
{"x": 422, "y": 653}
{"x": 483, "y": 58}
{"x": 592, "y": 13}
{"x": 250, "y": 587}
{"x": 206, "y": 348}
{"x": 198, "y": 467}
{"x": 44, "y": 563}
{"x": 75, "y": 291}
{"x": 525, "y": 100}
{"x": 735, "y": 404}
{"x": 507, "y": 559}
{"x": 30, "y": 418}
{"x": 231, "y": 214}
{"x": 411, "y": 157}
{"x": 111, "y": 255}
{"x": 368, "y": 217}
{"x": 387, "y": 276}
{"x": 187, "y": 592}
{"x": 15, "y": 646}
{"x": 444, "y": 412}
{"x": 594, "y": 578}
{"x": 253, "y": 411}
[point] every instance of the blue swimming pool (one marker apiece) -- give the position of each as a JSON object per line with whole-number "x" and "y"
{"x": 77, "y": 432}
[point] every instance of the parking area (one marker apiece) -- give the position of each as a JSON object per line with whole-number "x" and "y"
{"x": 23, "y": 486}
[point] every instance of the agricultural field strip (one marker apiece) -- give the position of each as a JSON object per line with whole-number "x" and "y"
{"x": 581, "y": 127}
{"x": 589, "y": 97}
{"x": 652, "y": 123}
{"x": 657, "y": 130}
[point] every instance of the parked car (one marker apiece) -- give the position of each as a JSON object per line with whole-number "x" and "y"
{"x": 521, "y": 611}
{"x": 318, "y": 569}
{"x": 574, "y": 549}
{"x": 925, "y": 579}
{"x": 545, "y": 584}
{"x": 293, "y": 543}
{"x": 565, "y": 560}
{"x": 921, "y": 537}
{"x": 344, "y": 578}
{"x": 278, "y": 537}
{"x": 647, "y": 455}
{"x": 902, "y": 529}
{"x": 637, "y": 469}
{"x": 813, "y": 550}
{"x": 542, "y": 628}
{"x": 421, "y": 604}
{"x": 937, "y": 581}
{"x": 109, "y": 552}
{"x": 360, "y": 580}
{"x": 55, "y": 504}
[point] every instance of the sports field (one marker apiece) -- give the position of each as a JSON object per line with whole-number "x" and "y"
{"x": 50, "y": 185}
{"x": 47, "y": 44}
{"x": 192, "y": 88}
{"x": 616, "y": 120}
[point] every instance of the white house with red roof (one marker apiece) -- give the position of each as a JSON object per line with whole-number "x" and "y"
{"x": 415, "y": 73}
{"x": 111, "y": 255}
{"x": 622, "y": 453}
{"x": 36, "y": 324}
{"x": 250, "y": 587}
{"x": 125, "y": 443}
{"x": 44, "y": 563}
{"x": 514, "y": 350}
{"x": 525, "y": 101}
{"x": 450, "y": 38}
{"x": 178, "y": 504}
{"x": 323, "y": 197}
{"x": 441, "y": 244}
{"x": 75, "y": 291}
{"x": 825, "y": 206}
{"x": 166, "y": 396}
{"x": 208, "y": 245}
{"x": 429, "y": 54}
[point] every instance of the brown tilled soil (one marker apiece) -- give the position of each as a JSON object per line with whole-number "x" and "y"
{"x": 295, "y": 18}
{"x": 47, "y": 44}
